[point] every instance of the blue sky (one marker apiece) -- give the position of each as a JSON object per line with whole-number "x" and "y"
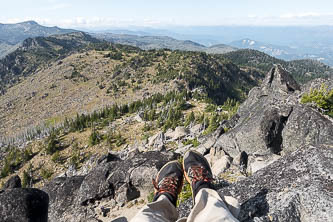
{"x": 155, "y": 13}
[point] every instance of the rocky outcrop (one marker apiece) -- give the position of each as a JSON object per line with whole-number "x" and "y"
{"x": 23, "y": 205}
{"x": 273, "y": 122}
{"x": 63, "y": 192}
{"x": 286, "y": 145}
{"x": 113, "y": 181}
{"x": 306, "y": 126}
{"x": 297, "y": 187}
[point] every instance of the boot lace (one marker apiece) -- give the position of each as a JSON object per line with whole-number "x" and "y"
{"x": 167, "y": 184}
{"x": 199, "y": 173}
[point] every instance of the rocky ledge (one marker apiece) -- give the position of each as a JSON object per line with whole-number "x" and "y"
{"x": 297, "y": 187}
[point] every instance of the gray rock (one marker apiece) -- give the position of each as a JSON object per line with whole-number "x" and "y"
{"x": 183, "y": 149}
{"x": 218, "y": 132}
{"x": 197, "y": 129}
{"x": 271, "y": 120}
{"x": 241, "y": 161}
{"x": 13, "y": 182}
{"x": 98, "y": 184}
{"x": 201, "y": 149}
{"x": 91, "y": 219}
{"x": 297, "y": 187}
{"x": 117, "y": 182}
{"x": 108, "y": 158}
{"x": 306, "y": 126}
{"x": 259, "y": 162}
{"x": 179, "y": 133}
{"x": 157, "y": 141}
{"x": 209, "y": 143}
{"x": 126, "y": 193}
{"x": 139, "y": 117}
{"x": 169, "y": 134}
{"x": 24, "y": 205}
{"x": 317, "y": 84}
{"x": 278, "y": 78}
{"x": 103, "y": 211}
{"x": 63, "y": 193}
{"x": 221, "y": 165}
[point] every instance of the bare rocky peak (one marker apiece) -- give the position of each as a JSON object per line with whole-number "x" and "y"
{"x": 279, "y": 79}
{"x": 272, "y": 120}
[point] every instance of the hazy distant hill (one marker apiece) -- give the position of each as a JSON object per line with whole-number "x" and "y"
{"x": 288, "y": 53}
{"x": 13, "y": 34}
{"x": 283, "y": 52}
{"x": 161, "y": 42}
{"x": 292, "y": 42}
{"x": 38, "y": 52}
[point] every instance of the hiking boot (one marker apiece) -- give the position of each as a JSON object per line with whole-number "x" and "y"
{"x": 169, "y": 181}
{"x": 197, "y": 172}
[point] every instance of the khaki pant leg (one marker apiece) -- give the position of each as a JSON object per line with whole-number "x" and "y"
{"x": 162, "y": 210}
{"x": 210, "y": 207}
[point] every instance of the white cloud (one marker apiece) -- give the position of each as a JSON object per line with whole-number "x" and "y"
{"x": 252, "y": 16}
{"x": 299, "y": 15}
{"x": 108, "y": 22}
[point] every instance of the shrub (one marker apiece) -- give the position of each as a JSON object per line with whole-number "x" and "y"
{"x": 6, "y": 170}
{"x": 150, "y": 197}
{"x": 213, "y": 124}
{"x": 75, "y": 160}
{"x": 231, "y": 106}
{"x": 52, "y": 144}
{"x": 120, "y": 140}
{"x": 194, "y": 142}
{"x": 185, "y": 193}
{"x": 26, "y": 180}
{"x": 46, "y": 173}
{"x": 15, "y": 160}
{"x": 115, "y": 140}
{"x": 147, "y": 127}
{"x": 94, "y": 138}
{"x": 56, "y": 158}
{"x": 189, "y": 119}
{"x": 210, "y": 108}
{"x": 321, "y": 99}
{"x": 27, "y": 154}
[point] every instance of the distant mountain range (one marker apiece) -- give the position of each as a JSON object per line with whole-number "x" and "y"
{"x": 293, "y": 47}
{"x": 147, "y": 42}
{"x": 291, "y": 42}
{"x": 11, "y": 35}
{"x": 287, "y": 53}
{"x": 15, "y": 33}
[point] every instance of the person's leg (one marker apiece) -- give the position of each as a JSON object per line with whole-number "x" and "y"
{"x": 168, "y": 184}
{"x": 208, "y": 205}
{"x": 161, "y": 210}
